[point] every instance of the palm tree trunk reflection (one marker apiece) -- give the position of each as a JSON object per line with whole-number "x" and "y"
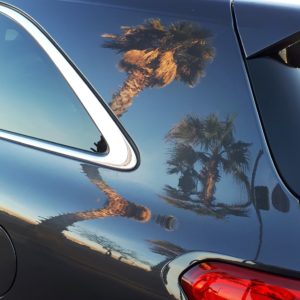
{"x": 202, "y": 150}
{"x": 116, "y": 205}
{"x": 154, "y": 55}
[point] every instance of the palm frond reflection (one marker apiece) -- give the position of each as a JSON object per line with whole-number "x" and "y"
{"x": 166, "y": 249}
{"x": 154, "y": 55}
{"x": 201, "y": 152}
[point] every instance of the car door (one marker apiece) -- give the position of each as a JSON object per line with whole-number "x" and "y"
{"x": 130, "y": 139}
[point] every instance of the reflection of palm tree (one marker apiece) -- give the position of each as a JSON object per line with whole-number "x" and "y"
{"x": 217, "y": 210}
{"x": 211, "y": 143}
{"x": 116, "y": 206}
{"x": 166, "y": 248}
{"x": 109, "y": 245}
{"x": 155, "y": 55}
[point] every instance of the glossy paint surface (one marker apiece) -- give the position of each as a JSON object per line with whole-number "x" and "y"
{"x": 263, "y": 23}
{"x": 205, "y": 179}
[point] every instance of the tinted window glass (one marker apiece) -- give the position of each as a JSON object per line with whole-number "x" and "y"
{"x": 276, "y": 80}
{"x": 35, "y": 100}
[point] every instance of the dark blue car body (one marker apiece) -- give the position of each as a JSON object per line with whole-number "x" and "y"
{"x": 69, "y": 240}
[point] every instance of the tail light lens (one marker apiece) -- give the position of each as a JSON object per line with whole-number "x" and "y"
{"x": 220, "y": 281}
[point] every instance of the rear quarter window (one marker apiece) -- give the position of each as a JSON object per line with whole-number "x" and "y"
{"x": 35, "y": 100}
{"x": 275, "y": 77}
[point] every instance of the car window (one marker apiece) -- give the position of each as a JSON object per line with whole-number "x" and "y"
{"x": 275, "y": 76}
{"x": 35, "y": 100}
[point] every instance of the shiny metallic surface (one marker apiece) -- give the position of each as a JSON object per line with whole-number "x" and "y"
{"x": 263, "y": 23}
{"x": 206, "y": 182}
{"x": 120, "y": 154}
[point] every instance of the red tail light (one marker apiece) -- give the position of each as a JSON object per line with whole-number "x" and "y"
{"x": 220, "y": 281}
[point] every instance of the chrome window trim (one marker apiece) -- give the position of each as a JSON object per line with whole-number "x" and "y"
{"x": 120, "y": 154}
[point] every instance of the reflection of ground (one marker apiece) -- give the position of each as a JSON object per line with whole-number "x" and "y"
{"x": 17, "y": 215}
{"x": 59, "y": 264}
{"x": 106, "y": 247}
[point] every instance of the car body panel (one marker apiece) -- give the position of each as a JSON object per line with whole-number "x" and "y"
{"x": 263, "y": 23}
{"x": 82, "y": 231}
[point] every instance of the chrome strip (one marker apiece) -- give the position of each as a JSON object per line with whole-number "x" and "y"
{"x": 172, "y": 271}
{"x": 120, "y": 155}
